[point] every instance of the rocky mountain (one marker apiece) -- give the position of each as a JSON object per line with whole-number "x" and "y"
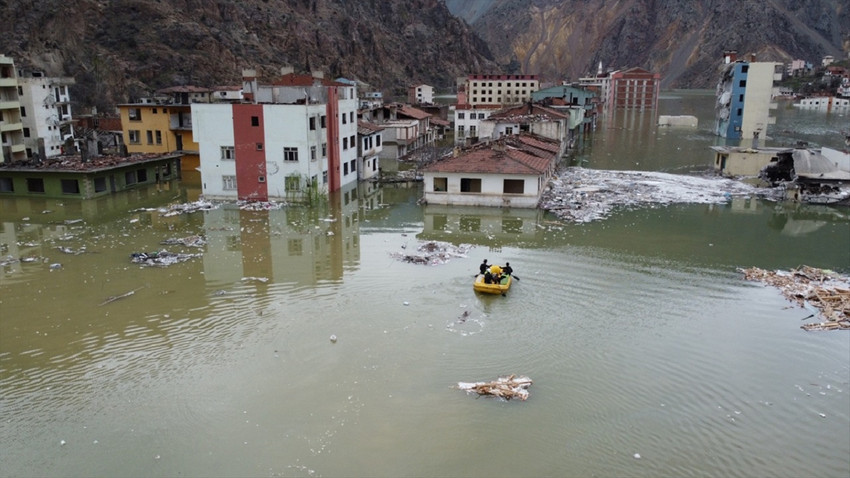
{"x": 118, "y": 50}
{"x": 682, "y": 40}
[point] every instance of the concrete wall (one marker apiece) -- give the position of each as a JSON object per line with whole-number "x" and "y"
{"x": 492, "y": 186}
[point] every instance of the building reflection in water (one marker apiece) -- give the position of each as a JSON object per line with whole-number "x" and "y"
{"x": 474, "y": 225}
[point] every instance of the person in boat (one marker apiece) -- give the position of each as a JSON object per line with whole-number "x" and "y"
{"x": 507, "y": 270}
{"x": 483, "y": 267}
{"x": 495, "y": 274}
{"x": 488, "y": 276}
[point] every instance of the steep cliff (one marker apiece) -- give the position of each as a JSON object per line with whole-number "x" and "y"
{"x": 683, "y": 41}
{"x": 120, "y": 50}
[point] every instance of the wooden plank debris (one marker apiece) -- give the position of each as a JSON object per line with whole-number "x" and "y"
{"x": 507, "y": 388}
{"x": 825, "y": 290}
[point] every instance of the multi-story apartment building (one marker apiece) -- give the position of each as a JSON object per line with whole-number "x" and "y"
{"x": 480, "y": 95}
{"x": 419, "y": 94}
{"x": 500, "y": 90}
{"x": 164, "y": 123}
{"x": 12, "y": 147}
{"x": 286, "y": 140}
{"x": 744, "y": 95}
{"x": 634, "y": 88}
{"x": 370, "y": 145}
{"x": 47, "y": 124}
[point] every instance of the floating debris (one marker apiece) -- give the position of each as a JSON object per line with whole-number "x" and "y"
{"x": 433, "y": 252}
{"x": 259, "y": 205}
{"x": 113, "y": 298}
{"x": 187, "y": 208}
{"x": 583, "y": 195}
{"x": 507, "y": 388}
{"x": 255, "y": 279}
{"x": 161, "y": 258}
{"x": 189, "y": 241}
{"x": 824, "y": 290}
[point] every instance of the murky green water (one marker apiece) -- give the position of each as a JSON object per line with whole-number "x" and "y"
{"x": 639, "y": 333}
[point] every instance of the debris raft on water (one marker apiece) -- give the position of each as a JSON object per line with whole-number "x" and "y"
{"x": 161, "y": 258}
{"x": 433, "y": 252}
{"x": 826, "y": 291}
{"x": 512, "y": 386}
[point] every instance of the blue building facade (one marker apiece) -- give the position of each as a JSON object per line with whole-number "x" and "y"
{"x": 730, "y": 100}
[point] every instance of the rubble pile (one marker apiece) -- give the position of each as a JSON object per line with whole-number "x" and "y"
{"x": 506, "y": 388}
{"x": 160, "y": 258}
{"x": 189, "y": 241}
{"x": 824, "y": 290}
{"x": 186, "y": 208}
{"x": 583, "y": 195}
{"x": 433, "y": 252}
{"x": 259, "y": 205}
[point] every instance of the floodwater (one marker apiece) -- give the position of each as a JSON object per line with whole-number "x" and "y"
{"x": 650, "y": 355}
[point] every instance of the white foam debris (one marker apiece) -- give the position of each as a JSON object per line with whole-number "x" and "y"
{"x": 583, "y": 195}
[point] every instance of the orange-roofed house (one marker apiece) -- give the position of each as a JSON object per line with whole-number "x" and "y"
{"x": 510, "y": 172}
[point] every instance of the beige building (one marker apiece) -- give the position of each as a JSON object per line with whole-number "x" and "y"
{"x": 12, "y": 147}
{"x": 498, "y": 89}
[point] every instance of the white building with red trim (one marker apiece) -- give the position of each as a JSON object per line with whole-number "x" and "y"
{"x": 285, "y": 140}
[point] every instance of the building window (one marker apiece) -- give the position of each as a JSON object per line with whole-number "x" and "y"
{"x": 292, "y": 183}
{"x": 513, "y": 186}
{"x": 324, "y": 150}
{"x": 344, "y": 118}
{"x": 259, "y": 146}
{"x": 461, "y": 115}
{"x": 70, "y": 186}
{"x": 352, "y": 140}
{"x": 470, "y": 185}
{"x": 35, "y": 185}
{"x": 344, "y": 143}
{"x": 324, "y": 121}
{"x": 742, "y": 83}
{"x": 99, "y": 185}
{"x": 295, "y": 247}
{"x": 312, "y": 153}
{"x": 351, "y": 117}
{"x": 480, "y": 115}
{"x": 158, "y": 137}
{"x": 261, "y": 179}
{"x": 345, "y": 169}
{"x": 290, "y": 154}
{"x": 740, "y": 112}
{"x": 312, "y": 123}
{"x": 23, "y": 112}
{"x": 324, "y": 177}
{"x": 378, "y": 140}
{"x": 509, "y": 130}
{"x": 153, "y": 110}
{"x": 134, "y": 136}
{"x": 6, "y": 185}
{"x": 135, "y": 114}
{"x": 129, "y": 178}
{"x": 228, "y": 183}
{"x": 460, "y": 130}
{"x": 353, "y": 166}
{"x": 472, "y": 131}
{"x": 142, "y": 175}
{"x": 228, "y": 152}
{"x": 255, "y": 121}
{"x": 150, "y": 136}
{"x": 26, "y": 132}
{"x": 441, "y": 185}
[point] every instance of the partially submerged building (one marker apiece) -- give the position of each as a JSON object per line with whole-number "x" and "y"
{"x": 288, "y": 139}
{"x": 509, "y": 172}
{"x": 12, "y": 146}
{"x": 69, "y": 177}
{"x": 744, "y": 95}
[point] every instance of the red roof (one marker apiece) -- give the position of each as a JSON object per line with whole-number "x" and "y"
{"x": 505, "y": 156}
{"x": 412, "y": 112}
